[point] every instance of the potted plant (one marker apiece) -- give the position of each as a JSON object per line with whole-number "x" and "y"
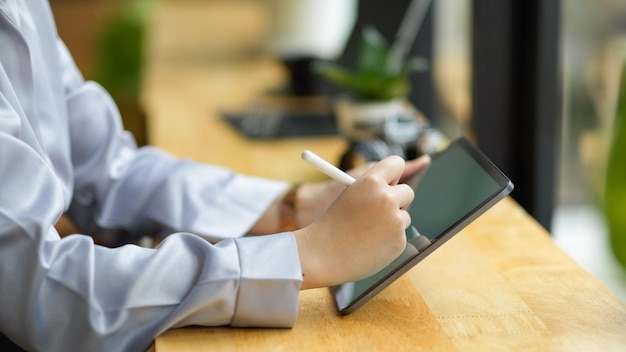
{"x": 378, "y": 86}
{"x": 375, "y": 89}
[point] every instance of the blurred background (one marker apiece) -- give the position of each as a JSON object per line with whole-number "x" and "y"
{"x": 534, "y": 83}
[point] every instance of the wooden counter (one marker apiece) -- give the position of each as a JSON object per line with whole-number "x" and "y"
{"x": 501, "y": 284}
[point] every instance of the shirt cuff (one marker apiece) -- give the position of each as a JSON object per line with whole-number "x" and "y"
{"x": 270, "y": 281}
{"x": 239, "y": 204}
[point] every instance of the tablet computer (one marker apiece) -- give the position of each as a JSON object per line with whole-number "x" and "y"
{"x": 460, "y": 185}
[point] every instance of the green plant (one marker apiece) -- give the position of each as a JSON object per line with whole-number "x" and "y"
{"x": 615, "y": 188}
{"x": 121, "y": 50}
{"x": 120, "y": 65}
{"x": 381, "y": 71}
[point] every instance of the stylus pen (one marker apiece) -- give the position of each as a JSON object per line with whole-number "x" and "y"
{"x": 327, "y": 168}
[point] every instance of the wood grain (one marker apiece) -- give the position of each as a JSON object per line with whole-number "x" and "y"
{"x": 499, "y": 285}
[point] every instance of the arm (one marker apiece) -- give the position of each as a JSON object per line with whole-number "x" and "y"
{"x": 123, "y": 297}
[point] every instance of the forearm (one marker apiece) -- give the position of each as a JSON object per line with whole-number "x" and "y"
{"x": 270, "y": 220}
{"x": 125, "y": 297}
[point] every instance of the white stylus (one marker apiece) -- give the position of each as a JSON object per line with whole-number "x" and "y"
{"x": 327, "y": 168}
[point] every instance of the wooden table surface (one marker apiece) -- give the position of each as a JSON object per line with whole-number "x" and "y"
{"x": 501, "y": 284}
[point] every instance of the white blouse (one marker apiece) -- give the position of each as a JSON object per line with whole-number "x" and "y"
{"x": 63, "y": 150}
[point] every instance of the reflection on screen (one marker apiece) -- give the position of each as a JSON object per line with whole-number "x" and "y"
{"x": 453, "y": 185}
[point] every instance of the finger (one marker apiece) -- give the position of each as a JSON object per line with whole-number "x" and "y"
{"x": 389, "y": 169}
{"x": 406, "y": 217}
{"x": 357, "y": 172}
{"x": 416, "y": 166}
{"x": 403, "y": 195}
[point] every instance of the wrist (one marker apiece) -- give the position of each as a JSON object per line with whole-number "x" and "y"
{"x": 315, "y": 198}
{"x": 289, "y": 209}
{"x": 309, "y": 261}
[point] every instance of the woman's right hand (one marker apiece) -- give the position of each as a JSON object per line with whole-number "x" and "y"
{"x": 361, "y": 232}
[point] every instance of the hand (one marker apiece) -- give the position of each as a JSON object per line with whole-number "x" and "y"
{"x": 314, "y": 198}
{"x": 363, "y": 230}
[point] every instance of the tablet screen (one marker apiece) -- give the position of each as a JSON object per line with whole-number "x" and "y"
{"x": 460, "y": 184}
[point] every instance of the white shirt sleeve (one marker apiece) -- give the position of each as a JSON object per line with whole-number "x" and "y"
{"x": 117, "y": 186}
{"x": 62, "y": 145}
